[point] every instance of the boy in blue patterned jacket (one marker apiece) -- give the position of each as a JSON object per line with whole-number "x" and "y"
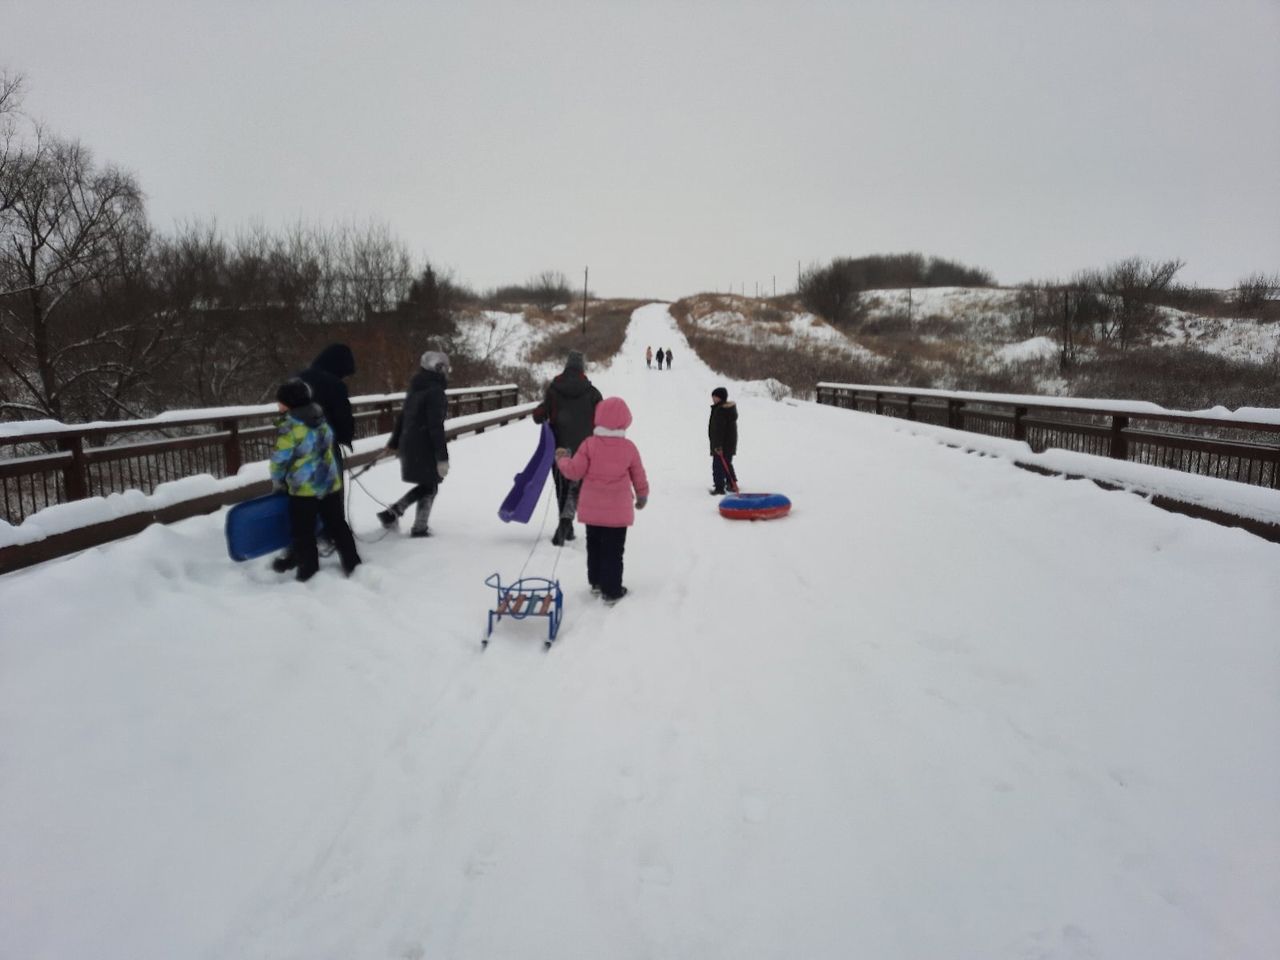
{"x": 303, "y": 465}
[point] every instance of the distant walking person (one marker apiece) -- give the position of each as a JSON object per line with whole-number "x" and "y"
{"x": 569, "y": 406}
{"x": 420, "y": 442}
{"x": 661, "y": 357}
{"x": 648, "y": 357}
{"x": 611, "y": 472}
{"x": 722, "y": 431}
{"x": 668, "y": 358}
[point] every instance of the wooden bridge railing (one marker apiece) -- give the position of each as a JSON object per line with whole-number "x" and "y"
{"x": 1230, "y": 449}
{"x": 73, "y": 462}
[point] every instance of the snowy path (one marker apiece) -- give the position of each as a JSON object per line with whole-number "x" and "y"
{"x": 945, "y": 709}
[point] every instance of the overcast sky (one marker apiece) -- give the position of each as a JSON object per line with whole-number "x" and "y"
{"x": 683, "y": 146}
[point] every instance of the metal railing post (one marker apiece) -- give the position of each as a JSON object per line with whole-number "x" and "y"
{"x": 231, "y": 448}
{"x": 1119, "y": 443}
{"x": 75, "y": 475}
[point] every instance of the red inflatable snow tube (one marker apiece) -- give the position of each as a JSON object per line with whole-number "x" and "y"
{"x": 754, "y": 506}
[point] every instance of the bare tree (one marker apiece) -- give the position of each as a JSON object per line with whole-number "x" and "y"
{"x": 550, "y": 288}
{"x": 16, "y": 163}
{"x": 64, "y": 225}
{"x": 1133, "y": 287}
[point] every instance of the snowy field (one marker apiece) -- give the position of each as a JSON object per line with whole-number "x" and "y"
{"x": 946, "y": 709}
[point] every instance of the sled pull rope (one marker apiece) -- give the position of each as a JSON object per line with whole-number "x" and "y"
{"x": 353, "y": 476}
{"x": 538, "y": 538}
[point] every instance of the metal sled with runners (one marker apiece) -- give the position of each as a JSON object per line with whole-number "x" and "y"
{"x": 526, "y": 597}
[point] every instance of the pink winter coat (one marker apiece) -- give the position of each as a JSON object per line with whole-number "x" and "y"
{"x": 608, "y": 464}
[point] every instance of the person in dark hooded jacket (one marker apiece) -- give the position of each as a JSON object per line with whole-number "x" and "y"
{"x": 569, "y": 406}
{"x": 418, "y": 438}
{"x": 325, "y": 375}
{"x": 722, "y": 431}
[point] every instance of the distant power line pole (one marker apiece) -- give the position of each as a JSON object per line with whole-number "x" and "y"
{"x": 585, "y": 272}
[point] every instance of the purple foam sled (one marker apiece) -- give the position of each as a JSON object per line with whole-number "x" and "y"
{"x": 529, "y": 482}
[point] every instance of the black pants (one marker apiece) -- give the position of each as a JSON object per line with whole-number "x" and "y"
{"x": 414, "y": 495}
{"x": 566, "y": 493}
{"x": 302, "y": 526}
{"x": 722, "y": 478}
{"x": 605, "y": 546}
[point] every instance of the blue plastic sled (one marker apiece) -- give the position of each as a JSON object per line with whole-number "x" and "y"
{"x": 529, "y": 482}
{"x": 258, "y": 527}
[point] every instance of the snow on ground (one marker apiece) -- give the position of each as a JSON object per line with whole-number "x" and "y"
{"x": 802, "y": 328}
{"x": 1037, "y": 348}
{"x": 947, "y": 708}
{"x": 508, "y": 338}
{"x": 1236, "y": 339}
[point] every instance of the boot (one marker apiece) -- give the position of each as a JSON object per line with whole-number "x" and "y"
{"x": 420, "y": 516}
{"x": 389, "y": 517}
{"x": 285, "y": 562}
{"x": 563, "y": 532}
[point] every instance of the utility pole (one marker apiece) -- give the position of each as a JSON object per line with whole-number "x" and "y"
{"x": 585, "y": 272}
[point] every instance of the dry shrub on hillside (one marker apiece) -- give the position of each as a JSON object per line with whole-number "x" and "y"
{"x": 800, "y": 367}
{"x": 606, "y": 328}
{"x": 1181, "y": 378}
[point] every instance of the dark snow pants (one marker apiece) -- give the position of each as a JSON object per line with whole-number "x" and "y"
{"x": 605, "y": 546}
{"x": 722, "y": 478}
{"x": 302, "y": 527}
{"x": 566, "y": 493}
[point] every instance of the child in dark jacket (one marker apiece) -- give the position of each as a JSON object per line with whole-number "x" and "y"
{"x": 609, "y": 466}
{"x": 304, "y": 466}
{"x": 722, "y": 431}
{"x": 420, "y": 442}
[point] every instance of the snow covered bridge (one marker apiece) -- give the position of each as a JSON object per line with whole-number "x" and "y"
{"x": 947, "y": 708}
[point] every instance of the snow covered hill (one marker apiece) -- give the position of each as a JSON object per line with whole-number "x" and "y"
{"x": 948, "y": 337}
{"x": 947, "y": 708}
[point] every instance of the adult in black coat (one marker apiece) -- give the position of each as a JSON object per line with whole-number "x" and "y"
{"x": 722, "y": 431}
{"x": 569, "y": 406}
{"x": 324, "y": 377}
{"x": 419, "y": 440}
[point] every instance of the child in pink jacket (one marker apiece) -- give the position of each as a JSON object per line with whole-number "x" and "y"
{"x": 609, "y": 466}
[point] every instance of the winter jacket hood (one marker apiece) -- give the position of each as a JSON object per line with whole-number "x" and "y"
{"x": 571, "y": 384}
{"x": 336, "y": 359}
{"x": 613, "y": 415}
{"x": 569, "y": 406}
{"x": 310, "y": 414}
